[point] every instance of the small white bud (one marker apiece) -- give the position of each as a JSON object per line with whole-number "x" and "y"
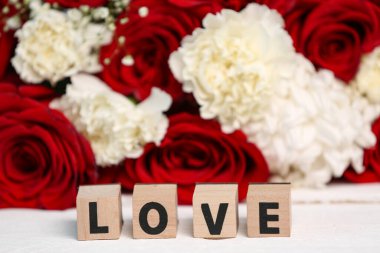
{"x": 143, "y": 11}
{"x": 128, "y": 60}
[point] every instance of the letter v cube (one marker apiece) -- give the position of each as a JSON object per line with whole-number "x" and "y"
{"x": 215, "y": 210}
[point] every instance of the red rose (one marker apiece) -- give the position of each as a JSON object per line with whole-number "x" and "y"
{"x": 110, "y": 174}
{"x": 7, "y": 43}
{"x": 196, "y": 150}
{"x": 371, "y": 161}
{"x": 377, "y": 2}
{"x": 282, "y": 6}
{"x": 78, "y": 3}
{"x": 212, "y": 5}
{"x": 36, "y": 92}
{"x": 42, "y": 157}
{"x": 8, "y": 9}
{"x": 137, "y": 58}
{"x": 234, "y": 4}
{"x": 334, "y": 34}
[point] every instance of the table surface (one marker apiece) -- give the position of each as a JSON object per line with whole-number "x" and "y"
{"x": 340, "y": 217}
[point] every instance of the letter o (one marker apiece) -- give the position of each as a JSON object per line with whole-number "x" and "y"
{"x": 163, "y": 218}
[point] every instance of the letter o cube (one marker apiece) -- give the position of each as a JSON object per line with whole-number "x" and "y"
{"x": 154, "y": 211}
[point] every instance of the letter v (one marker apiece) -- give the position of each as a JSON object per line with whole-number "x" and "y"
{"x": 215, "y": 228}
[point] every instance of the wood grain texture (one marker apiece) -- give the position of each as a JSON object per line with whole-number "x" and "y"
{"x": 163, "y": 194}
{"x": 269, "y": 193}
{"x": 214, "y": 195}
{"x": 109, "y": 213}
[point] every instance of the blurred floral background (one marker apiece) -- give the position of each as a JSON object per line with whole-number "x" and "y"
{"x": 185, "y": 91}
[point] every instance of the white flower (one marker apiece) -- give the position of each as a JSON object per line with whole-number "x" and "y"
{"x": 367, "y": 80}
{"x": 315, "y": 130}
{"x": 114, "y": 126}
{"x": 53, "y": 45}
{"x": 243, "y": 70}
{"x": 100, "y": 13}
{"x": 233, "y": 63}
{"x": 13, "y": 22}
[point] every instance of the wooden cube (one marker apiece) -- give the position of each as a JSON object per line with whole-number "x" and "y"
{"x": 215, "y": 210}
{"x": 99, "y": 214}
{"x": 154, "y": 211}
{"x": 269, "y": 210}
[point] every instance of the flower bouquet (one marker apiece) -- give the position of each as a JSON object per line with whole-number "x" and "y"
{"x": 175, "y": 91}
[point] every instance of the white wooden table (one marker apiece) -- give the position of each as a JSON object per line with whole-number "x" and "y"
{"x": 340, "y": 218}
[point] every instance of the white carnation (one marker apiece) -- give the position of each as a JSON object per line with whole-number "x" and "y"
{"x": 115, "y": 127}
{"x": 233, "y": 63}
{"x": 367, "y": 80}
{"x": 53, "y": 45}
{"x": 243, "y": 71}
{"x": 315, "y": 130}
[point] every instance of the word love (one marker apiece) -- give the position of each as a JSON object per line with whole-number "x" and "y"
{"x": 154, "y": 206}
